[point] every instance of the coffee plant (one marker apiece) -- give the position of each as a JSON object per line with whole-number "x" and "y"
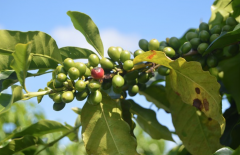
{"x": 200, "y": 69}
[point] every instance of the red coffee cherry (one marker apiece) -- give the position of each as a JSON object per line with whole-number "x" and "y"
{"x": 97, "y": 73}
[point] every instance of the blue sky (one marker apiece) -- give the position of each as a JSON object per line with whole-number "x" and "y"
{"x": 121, "y": 23}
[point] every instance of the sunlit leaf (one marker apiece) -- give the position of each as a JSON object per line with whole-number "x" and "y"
{"x": 147, "y": 120}
{"x": 88, "y": 28}
{"x": 21, "y": 62}
{"x": 39, "y": 98}
{"x": 46, "y": 53}
{"x": 75, "y": 52}
{"x": 104, "y": 131}
{"x": 199, "y": 134}
{"x": 6, "y": 100}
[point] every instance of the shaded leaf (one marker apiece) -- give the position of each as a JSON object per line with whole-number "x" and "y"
{"x": 73, "y": 136}
{"x": 231, "y": 76}
{"x": 199, "y": 134}
{"x": 147, "y": 120}
{"x": 237, "y": 151}
{"x": 225, "y": 39}
{"x": 21, "y": 62}
{"x": 5, "y": 74}
{"x": 20, "y": 144}
{"x": 75, "y": 52}
{"x": 157, "y": 95}
{"x": 127, "y": 115}
{"x": 224, "y": 151}
{"x": 104, "y": 131}
{"x": 88, "y": 28}
{"x": 44, "y": 47}
{"x": 178, "y": 150}
{"x": 6, "y": 100}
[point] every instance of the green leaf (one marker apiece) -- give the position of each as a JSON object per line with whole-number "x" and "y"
{"x": 225, "y": 39}
{"x": 21, "y": 62}
{"x": 5, "y": 74}
{"x": 19, "y": 144}
{"x": 178, "y": 150}
{"x": 75, "y": 52}
{"x": 198, "y": 133}
{"x": 88, "y": 28}
{"x": 6, "y": 100}
{"x": 224, "y": 151}
{"x": 231, "y": 76}
{"x": 104, "y": 131}
{"x": 188, "y": 80}
{"x": 147, "y": 120}
{"x": 221, "y": 9}
{"x": 157, "y": 95}
{"x": 73, "y": 136}
{"x": 127, "y": 115}
{"x": 44, "y": 48}
{"x": 237, "y": 151}
{"x": 42, "y": 127}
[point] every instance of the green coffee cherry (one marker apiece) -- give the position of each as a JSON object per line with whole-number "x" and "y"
{"x": 133, "y": 89}
{"x": 186, "y": 47}
{"x": 163, "y": 43}
{"x": 119, "y": 49}
{"x": 212, "y": 61}
{"x": 203, "y": 26}
{"x": 227, "y": 28}
{"x": 117, "y": 90}
{"x": 153, "y": 44}
{"x": 81, "y": 67}
{"x": 214, "y": 71}
{"x": 204, "y": 36}
{"x": 80, "y": 85}
{"x": 68, "y": 63}
{"x": 233, "y": 49}
{"x": 231, "y": 21}
{"x": 213, "y": 37}
{"x": 174, "y": 43}
{"x": 61, "y": 77}
{"x": 106, "y": 64}
{"x": 67, "y": 96}
{"x": 128, "y": 65}
{"x": 164, "y": 71}
{"x": 143, "y": 77}
{"x": 58, "y": 106}
{"x": 82, "y": 95}
{"x": 93, "y": 60}
{"x": 216, "y": 29}
{"x": 195, "y": 42}
{"x": 117, "y": 81}
{"x": 137, "y": 52}
{"x": 94, "y": 85}
{"x": 114, "y": 53}
{"x": 95, "y": 97}
{"x": 73, "y": 73}
{"x": 191, "y": 35}
{"x": 161, "y": 48}
{"x": 143, "y": 44}
{"x": 57, "y": 97}
{"x": 51, "y": 95}
{"x": 202, "y": 47}
{"x": 169, "y": 51}
{"x": 125, "y": 55}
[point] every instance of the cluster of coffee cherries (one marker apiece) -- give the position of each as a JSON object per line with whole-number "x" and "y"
{"x": 195, "y": 46}
{"x": 117, "y": 73}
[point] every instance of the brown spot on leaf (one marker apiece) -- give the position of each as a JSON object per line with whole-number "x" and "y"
{"x": 177, "y": 93}
{"x": 197, "y": 90}
{"x": 197, "y": 103}
{"x": 206, "y": 104}
{"x": 152, "y": 55}
{"x": 209, "y": 119}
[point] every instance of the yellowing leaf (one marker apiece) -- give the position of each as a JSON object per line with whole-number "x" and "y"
{"x": 197, "y": 87}
{"x": 199, "y": 134}
{"x": 104, "y": 131}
